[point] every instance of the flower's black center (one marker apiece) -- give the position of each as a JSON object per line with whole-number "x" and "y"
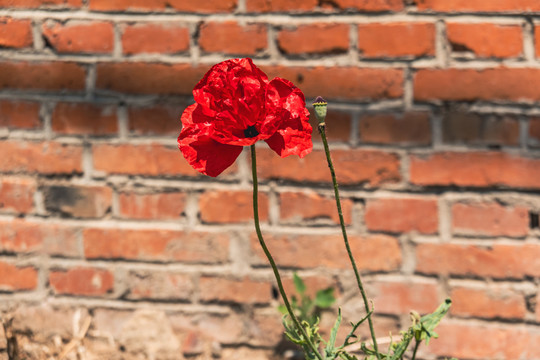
{"x": 251, "y": 132}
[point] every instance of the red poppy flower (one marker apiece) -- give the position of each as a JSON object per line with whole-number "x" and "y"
{"x": 236, "y": 106}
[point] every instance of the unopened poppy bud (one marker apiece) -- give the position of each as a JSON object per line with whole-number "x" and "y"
{"x": 320, "y": 109}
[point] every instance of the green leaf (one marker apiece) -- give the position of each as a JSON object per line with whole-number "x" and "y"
{"x": 425, "y": 330}
{"x": 331, "y": 345}
{"x": 299, "y": 284}
{"x": 325, "y": 298}
{"x": 282, "y": 309}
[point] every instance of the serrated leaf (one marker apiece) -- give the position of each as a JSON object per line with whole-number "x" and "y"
{"x": 299, "y": 284}
{"x": 325, "y": 298}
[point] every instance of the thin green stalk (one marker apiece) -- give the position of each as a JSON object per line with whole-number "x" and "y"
{"x": 269, "y": 256}
{"x": 322, "y": 131}
{"x": 415, "y": 349}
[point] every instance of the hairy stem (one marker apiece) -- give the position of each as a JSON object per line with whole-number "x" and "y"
{"x": 322, "y": 131}
{"x": 269, "y": 256}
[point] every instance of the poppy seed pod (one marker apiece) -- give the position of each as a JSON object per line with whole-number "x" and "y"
{"x": 320, "y": 106}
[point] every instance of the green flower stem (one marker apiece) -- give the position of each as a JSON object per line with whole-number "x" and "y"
{"x": 322, "y": 131}
{"x": 415, "y": 349}
{"x": 269, "y": 256}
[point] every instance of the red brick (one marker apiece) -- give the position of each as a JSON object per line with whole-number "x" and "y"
{"x": 348, "y": 83}
{"x": 17, "y": 194}
{"x": 470, "y": 84}
{"x": 155, "y": 120}
{"x": 313, "y": 284}
{"x": 468, "y": 260}
{"x": 377, "y": 167}
{"x": 338, "y": 125}
{"x": 489, "y": 219}
{"x": 486, "y": 40}
{"x": 538, "y": 307}
{"x": 19, "y": 114}
{"x": 399, "y": 298}
{"x": 41, "y": 157}
{"x": 411, "y": 128}
{"x": 314, "y": 38}
{"x": 154, "y": 285}
{"x": 84, "y": 37}
{"x": 280, "y": 5}
{"x": 210, "y": 6}
{"x": 518, "y": 6}
{"x": 21, "y": 236}
{"x": 402, "y": 215}
{"x": 42, "y": 76}
{"x": 230, "y": 37}
{"x": 269, "y": 324}
{"x": 367, "y": 5}
{"x": 147, "y": 78}
{"x": 81, "y": 281}
{"x": 15, "y": 33}
{"x": 374, "y": 253}
{"x": 156, "y": 245}
{"x": 78, "y": 201}
{"x": 164, "y": 38}
{"x": 151, "y": 159}
{"x": 41, "y": 3}
{"x": 396, "y": 39}
{"x": 537, "y": 40}
{"x": 485, "y": 341}
{"x": 77, "y": 118}
{"x": 298, "y": 206}
{"x": 534, "y": 132}
{"x": 167, "y": 206}
{"x": 463, "y": 127}
{"x": 231, "y": 206}
{"x": 477, "y": 169}
{"x": 245, "y": 291}
{"x": 488, "y": 303}
{"x": 15, "y": 278}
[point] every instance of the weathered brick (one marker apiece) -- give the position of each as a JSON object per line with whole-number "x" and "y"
{"x": 298, "y": 206}
{"x": 494, "y": 302}
{"x": 42, "y": 75}
{"x": 16, "y": 278}
{"x": 373, "y": 253}
{"x": 460, "y": 340}
{"x": 537, "y": 40}
{"x": 396, "y": 39}
{"x": 245, "y": 291}
{"x": 486, "y": 40}
{"x": 21, "y": 236}
{"x": 519, "y": 6}
{"x": 464, "y": 127}
{"x": 348, "y": 83}
{"x": 19, "y": 114}
{"x": 469, "y": 260}
{"x": 477, "y": 169}
{"x": 82, "y": 281}
{"x": 41, "y": 3}
{"x": 158, "y": 285}
{"x": 80, "y": 37}
{"x": 470, "y": 84}
{"x": 162, "y": 38}
{"x": 147, "y": 78}
{"x": 280, "y": 5}
{"x": 338, "y": 125}
{"x": 378, "y": 167}
{"x": 17, "y": 194}
{"x": 230, "y": 37}
{"x": 81, "y": 118}
{"x": 410, "y": 128}
{"x": 400, "y": 297}
{"x": 151, "y": 159}
{"x": 155, "y": 120}
{"x": 41, "y": 157}
{"x": 310, "y": 5}
{"x": 78, "y": 201}
{"x": 402, "y": 215}
{"x": 231, "y": 206}
{"x": 489, "y": 219}
{"x": 367, "y": 5}
{"x": 15, "y": 33}
{"x": 314, "y": 39}
{"x": 534, "y": 132}
{"x": 167, "y": 206}
{"x": 155, "y": 245}
{"x": 210, "y": 6}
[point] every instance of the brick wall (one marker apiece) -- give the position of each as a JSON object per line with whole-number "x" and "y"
{"x": 436, "y": 135}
